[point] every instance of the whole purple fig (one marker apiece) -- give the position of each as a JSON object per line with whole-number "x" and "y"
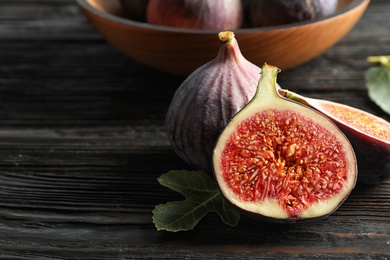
{"x": 262, "y": 13}
{"x": 196, "y": 14}
{"x": 206, "y": 101}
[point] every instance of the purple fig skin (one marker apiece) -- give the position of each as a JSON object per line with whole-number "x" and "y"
{"x": 196, "y": 14}
{"x": 207, "y": 100}
{"x": 262, "y": 13}
{"x": 135, "y": 9}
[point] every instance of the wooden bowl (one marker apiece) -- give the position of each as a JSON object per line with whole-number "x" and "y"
{"x": 181, "y": 51}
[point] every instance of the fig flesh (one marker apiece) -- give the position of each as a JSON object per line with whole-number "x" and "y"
{"x": 368, "y": 134}
{"x": 196, "y": 14}
{"x": 263, "y": 13}
{"x": 283, "y": 161}
{"x": 206, "y": 101}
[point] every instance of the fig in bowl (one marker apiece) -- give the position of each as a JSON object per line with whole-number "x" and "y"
{"x": 181, "y": 50}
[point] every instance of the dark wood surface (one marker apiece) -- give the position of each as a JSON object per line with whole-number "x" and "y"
{"x": 82, "y": 142}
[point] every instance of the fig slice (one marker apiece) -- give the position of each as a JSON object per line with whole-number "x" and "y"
{"x": 368, "y": 134}
{"x": 283, "y": 161}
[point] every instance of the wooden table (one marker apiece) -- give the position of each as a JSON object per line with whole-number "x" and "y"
{"x": 82, "y": 142}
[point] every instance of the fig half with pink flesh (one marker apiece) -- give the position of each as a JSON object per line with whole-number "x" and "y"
{"x": 281, "y": 160}
{"x": 369, "y": 135}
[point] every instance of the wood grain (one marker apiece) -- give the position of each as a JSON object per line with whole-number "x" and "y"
{"x": 82, "y": 141}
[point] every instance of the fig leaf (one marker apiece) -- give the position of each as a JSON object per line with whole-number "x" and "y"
{"x": 202, "y": 196}
{"x": 378, "y": 82}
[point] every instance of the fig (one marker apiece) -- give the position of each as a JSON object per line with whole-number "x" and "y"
{"x": 196, "y": 14}
{"x": 135, "y": 9}
{"x": 207, "y": 99}
{"x": 263, "y": 13}
{"x": 282, "y": 161}
{"x": 328, "y": 7}
{"x": 368, "y": 134}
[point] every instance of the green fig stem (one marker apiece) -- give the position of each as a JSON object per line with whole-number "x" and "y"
{"x": 293, "y": 96}
{"x": 383, "y": 60}
{"x": 267, "y": 82}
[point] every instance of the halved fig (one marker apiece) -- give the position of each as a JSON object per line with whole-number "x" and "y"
{"x": 281, "y": 160}
{"x": 368, "y": 134}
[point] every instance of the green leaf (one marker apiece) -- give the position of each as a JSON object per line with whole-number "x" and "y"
{"x": 201, "y": 197}
{"x": 378, "y": 82}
